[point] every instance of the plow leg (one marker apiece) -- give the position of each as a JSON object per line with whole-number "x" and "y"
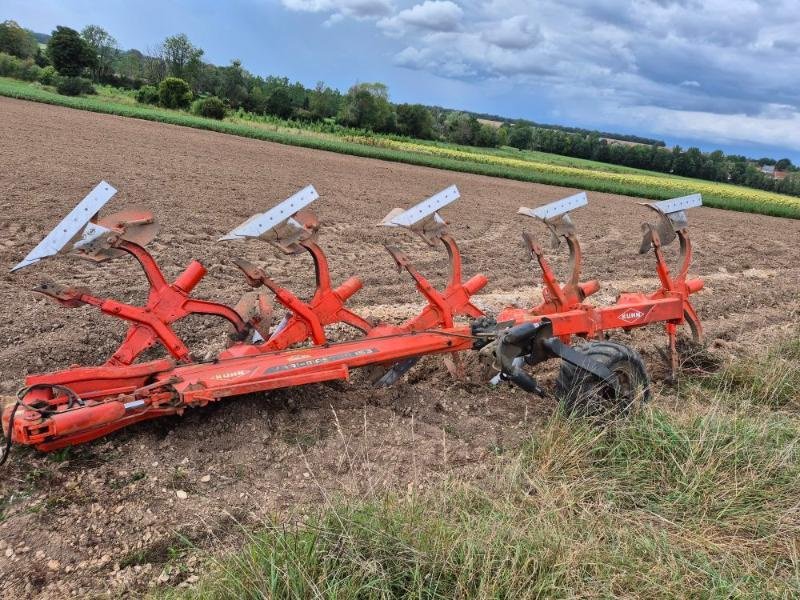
{"x": 672, "y": 352}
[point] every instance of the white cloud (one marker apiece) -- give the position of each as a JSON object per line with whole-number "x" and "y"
{"x": 431, "y": 15}
{"x": 763, "y": 128}
{"x": 426, "y": 60}
{"x": 716, "y": 70}
{"x": 339, "y": 9}
{"x": 515, "y": 33}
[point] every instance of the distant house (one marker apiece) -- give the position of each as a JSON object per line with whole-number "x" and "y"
{"x": 771, "y": 171}
{"x": 610, "y": 141}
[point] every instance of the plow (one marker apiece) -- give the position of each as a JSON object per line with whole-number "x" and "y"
{"x": 596, "y": 376}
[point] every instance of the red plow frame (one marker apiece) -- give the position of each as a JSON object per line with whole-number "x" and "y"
{"x": 79, "y": 404}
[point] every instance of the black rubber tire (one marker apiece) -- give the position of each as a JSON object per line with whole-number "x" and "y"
{"x": 584, "y": 394}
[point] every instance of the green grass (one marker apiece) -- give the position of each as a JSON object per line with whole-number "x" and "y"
{"x": 584, "y": 174}
{"x": 696, "y": 496}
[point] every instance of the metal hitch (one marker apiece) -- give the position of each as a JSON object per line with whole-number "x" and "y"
{"x": 533, "y": 343}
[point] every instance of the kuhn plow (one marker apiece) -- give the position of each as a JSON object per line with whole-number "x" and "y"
{"x": 75, "y": 405}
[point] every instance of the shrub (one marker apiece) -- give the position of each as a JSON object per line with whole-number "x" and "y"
{"x": 174, "y": 92}
{"x": 211, "y": 107}
{"x": 75, "y": 86}
{"x": 147, "y": 94}
{"x": 9, "y": 65}
{"x": 48, "y": 76}
{"x": 29, "y": 70}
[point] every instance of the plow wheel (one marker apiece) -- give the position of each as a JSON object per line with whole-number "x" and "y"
{"x": 584, "y": 394}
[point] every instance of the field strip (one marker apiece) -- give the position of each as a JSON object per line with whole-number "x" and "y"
{"x": 656, "y": 186}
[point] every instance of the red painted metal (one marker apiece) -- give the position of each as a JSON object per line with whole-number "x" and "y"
{"x": 306, "y": 320}
{"x": 669, "y": 304}
{"x": 106, "y": 398}
{"x": 152, "y": 323}
{"x": 442, "y": 306}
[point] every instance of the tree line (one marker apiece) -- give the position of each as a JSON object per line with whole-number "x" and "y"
{"x": 175, "y": 75}
{"x": 689, "y": 162}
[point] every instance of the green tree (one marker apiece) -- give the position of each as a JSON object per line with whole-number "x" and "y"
{"x": 487, "y": 136}
{"x": 105, "y": 48}
{"x": 174, "y": 92}
{"x": 367, "y": 106}
{"x": 69, "y": 52}
{"x": 520, "y": 137}
{"x": 17, "y": 41}
{"x": 414, "y": 120}
{"x": 130, "y": 64}
{"x": 181, "y": 57}
{"x": 783, "y": 164}
{"x": 256, "y": 100}
{"x": 233, "y": 84}
{"x": 324, "y": 102}
{"x": 279, "y": 103}
{"x": 502, "y": 136}
{"x": 462, "y": 128}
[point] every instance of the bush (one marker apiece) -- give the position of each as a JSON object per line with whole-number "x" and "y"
{"x": 174, "y": 92}
{"x": 147, "y": 94}
{"x": 29, "y": 71}
{"x": 10, "y": 66}
{"x": 75, "y": 86}
{"x": 48, "y": 76}
{"x": 25, "y": 69}
{"x": 211, "y": 107}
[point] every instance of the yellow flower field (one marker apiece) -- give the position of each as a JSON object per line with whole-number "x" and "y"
{"x": 667, "y": 183}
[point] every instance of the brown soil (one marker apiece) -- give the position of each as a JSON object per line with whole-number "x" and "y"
{"x": 105, "y": 518}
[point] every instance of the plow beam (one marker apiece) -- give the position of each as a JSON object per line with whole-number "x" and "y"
{"x": 65, "y": 421}
{"x": 442, "y": 306}
{"x": 152, "y": 323}
{"x": 672, "y": 224}
{"x": 423, "y": 219}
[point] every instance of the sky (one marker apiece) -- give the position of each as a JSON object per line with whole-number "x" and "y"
{"x": 714, "y": 74}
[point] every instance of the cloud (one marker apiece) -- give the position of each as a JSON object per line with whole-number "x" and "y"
{"x": 449, "y": 65}
{"x": 514, "y": 33}
{"x": 764, "y": 128}
{"x": 663, "y": 66}
{"x": 431, "y": 15}
{"x": 339, "y": 9}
